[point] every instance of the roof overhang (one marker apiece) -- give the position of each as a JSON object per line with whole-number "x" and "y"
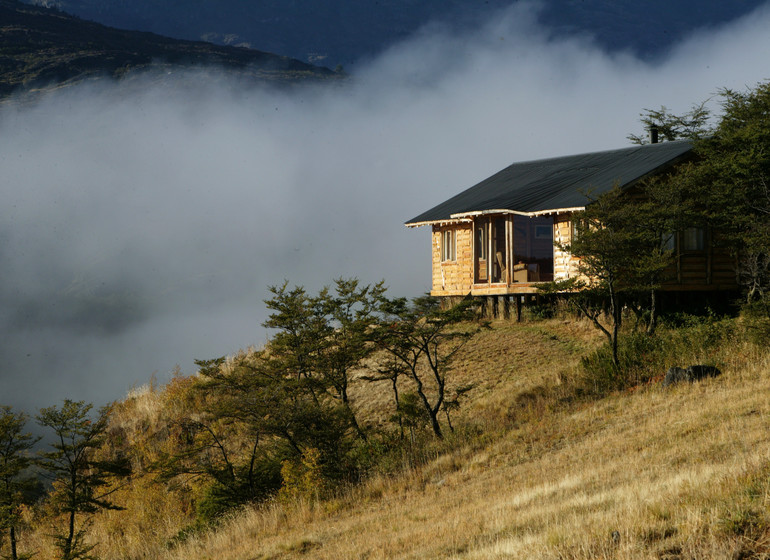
{"x": 445, "y": 222}
{"x": 466, "y": 217}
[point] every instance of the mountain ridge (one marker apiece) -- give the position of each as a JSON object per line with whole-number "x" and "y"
{"x": 344, "y": 32}
{"x": 42, "y": 46}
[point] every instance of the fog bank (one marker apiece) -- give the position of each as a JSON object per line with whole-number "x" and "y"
{"x": 141, "y": 230}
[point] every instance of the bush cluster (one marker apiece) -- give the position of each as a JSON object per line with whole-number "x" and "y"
{"x": 682, "y": 341}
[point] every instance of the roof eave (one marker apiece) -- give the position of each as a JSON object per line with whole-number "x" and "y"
{"x": 442, "y": 222}
{"x": 466, "y": 217}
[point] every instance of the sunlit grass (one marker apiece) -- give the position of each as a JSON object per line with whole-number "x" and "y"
{"x": 533, "y": 471}
{"x": 648, "y": 474}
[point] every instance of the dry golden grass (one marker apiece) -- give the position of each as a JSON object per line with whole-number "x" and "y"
{"x": 507, "y": 363}
{"x": 649, "y": 474}
{"x": 652, "y": 473}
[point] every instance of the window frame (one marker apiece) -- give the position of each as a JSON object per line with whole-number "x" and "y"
{"x": 668, "y": 242}
{"x": 696, "y": 234}
{"x": 482, "y": 241}
{"x": 449, "y": 245}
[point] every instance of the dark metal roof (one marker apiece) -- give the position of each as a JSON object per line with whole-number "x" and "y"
{"x": 555, "y": 183}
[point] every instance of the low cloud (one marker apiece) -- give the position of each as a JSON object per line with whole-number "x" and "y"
{"x": 141, "y": 226}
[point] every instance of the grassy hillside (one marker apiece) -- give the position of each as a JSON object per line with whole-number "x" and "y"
{"x": 677, "y": 473}
{"x": 650, "y": 473}
{"x": 540, "y": 465}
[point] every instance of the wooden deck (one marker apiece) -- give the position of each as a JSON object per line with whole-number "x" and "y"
{"x": 532, "y": 288}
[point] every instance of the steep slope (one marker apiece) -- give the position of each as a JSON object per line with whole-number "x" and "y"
{"x": 674, "y": 473}
{"x": 42, "y": 46}
{"x": 534, "y": 470}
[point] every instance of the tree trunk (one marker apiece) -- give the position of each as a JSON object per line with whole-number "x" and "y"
{"x": 615, "y": 313}
{"x": 252, "y": 462}
{"x": 70, "y": 537}
{"x": 440, "y": 386}
{"x": 432, "y": 413}
{"x": 448, "y": 421}
{"x": 13, "y": 543}
{"x": 435, "y": 425}
{"x": 394, "y": 382}
{"x": 353, "y": 420}
{"x": 356, "y": 426}
{"x": 653, "y": 312}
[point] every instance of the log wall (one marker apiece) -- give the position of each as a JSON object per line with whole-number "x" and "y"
{"x": 710, "y": 269}
{"x": 453, "y": 278}
{"x": 565, "y": 266}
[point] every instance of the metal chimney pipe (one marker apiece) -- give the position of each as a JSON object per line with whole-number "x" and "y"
{"x": 653, "y": 134}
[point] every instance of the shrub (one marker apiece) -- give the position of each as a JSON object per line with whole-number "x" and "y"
{"x": 757, "y": 320}
{"x": 302, "y": 478}
{"x": 643, "y": 358}
{"x": 640, "y": 358}
{"x": 223, "y": 496}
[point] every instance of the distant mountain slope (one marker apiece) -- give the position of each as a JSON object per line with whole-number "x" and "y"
{"x": 41, "y": 46}
{"x": 344, "y": 31}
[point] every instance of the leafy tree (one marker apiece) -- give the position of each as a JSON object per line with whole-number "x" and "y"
{"x": 603, "y": 244}
{"x": 300, "y": 329}
{"x": 15, "y": 487}
{"x": 322, "y": 339}
{"x": 80, "y": 479}
{"x": 229, "y": 422}
{"x": 732, "y": 177}
{"x": 691, "y": 125}
{"x": 658, "y": 209}
{"x": 302, "y": 477}
{"x": 621, "y": 239}
{"x": 423, "y": 339}
{"x": 349, "y": 312}
{"x": 249, "y": 416}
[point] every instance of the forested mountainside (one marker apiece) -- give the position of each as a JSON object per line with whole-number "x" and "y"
{"x": 42, "y": 46}
{"x": 342, "y": 32}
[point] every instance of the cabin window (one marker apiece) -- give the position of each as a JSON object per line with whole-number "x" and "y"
{"x": 668, "y": 242}
{"x": 532, "y": 258}
{"x": 575, "y": 229}
{"x": 694, "y": 239}
{"x": 448, "y": 245}
{"x": 481, "y": 241}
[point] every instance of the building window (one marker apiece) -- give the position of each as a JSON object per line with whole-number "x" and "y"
{"x": 543, "y": 232}
{"x": 575, "y": 226}
{"x": 694, "y": 239}
{"x": 481, "y": 242}
{"x": 668, "y": 242}
{"x": 448, "y": 245}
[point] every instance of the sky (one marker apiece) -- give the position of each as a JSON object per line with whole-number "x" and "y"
{"x": 141, "y": 226}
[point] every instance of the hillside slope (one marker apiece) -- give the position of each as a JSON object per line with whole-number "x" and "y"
{"x": 655, "y": 473}
{"x": 538, "y": 466}
{"x": 41, "y": 46}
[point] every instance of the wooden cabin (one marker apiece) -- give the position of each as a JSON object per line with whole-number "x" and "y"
{"x": 499, "y": 237}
